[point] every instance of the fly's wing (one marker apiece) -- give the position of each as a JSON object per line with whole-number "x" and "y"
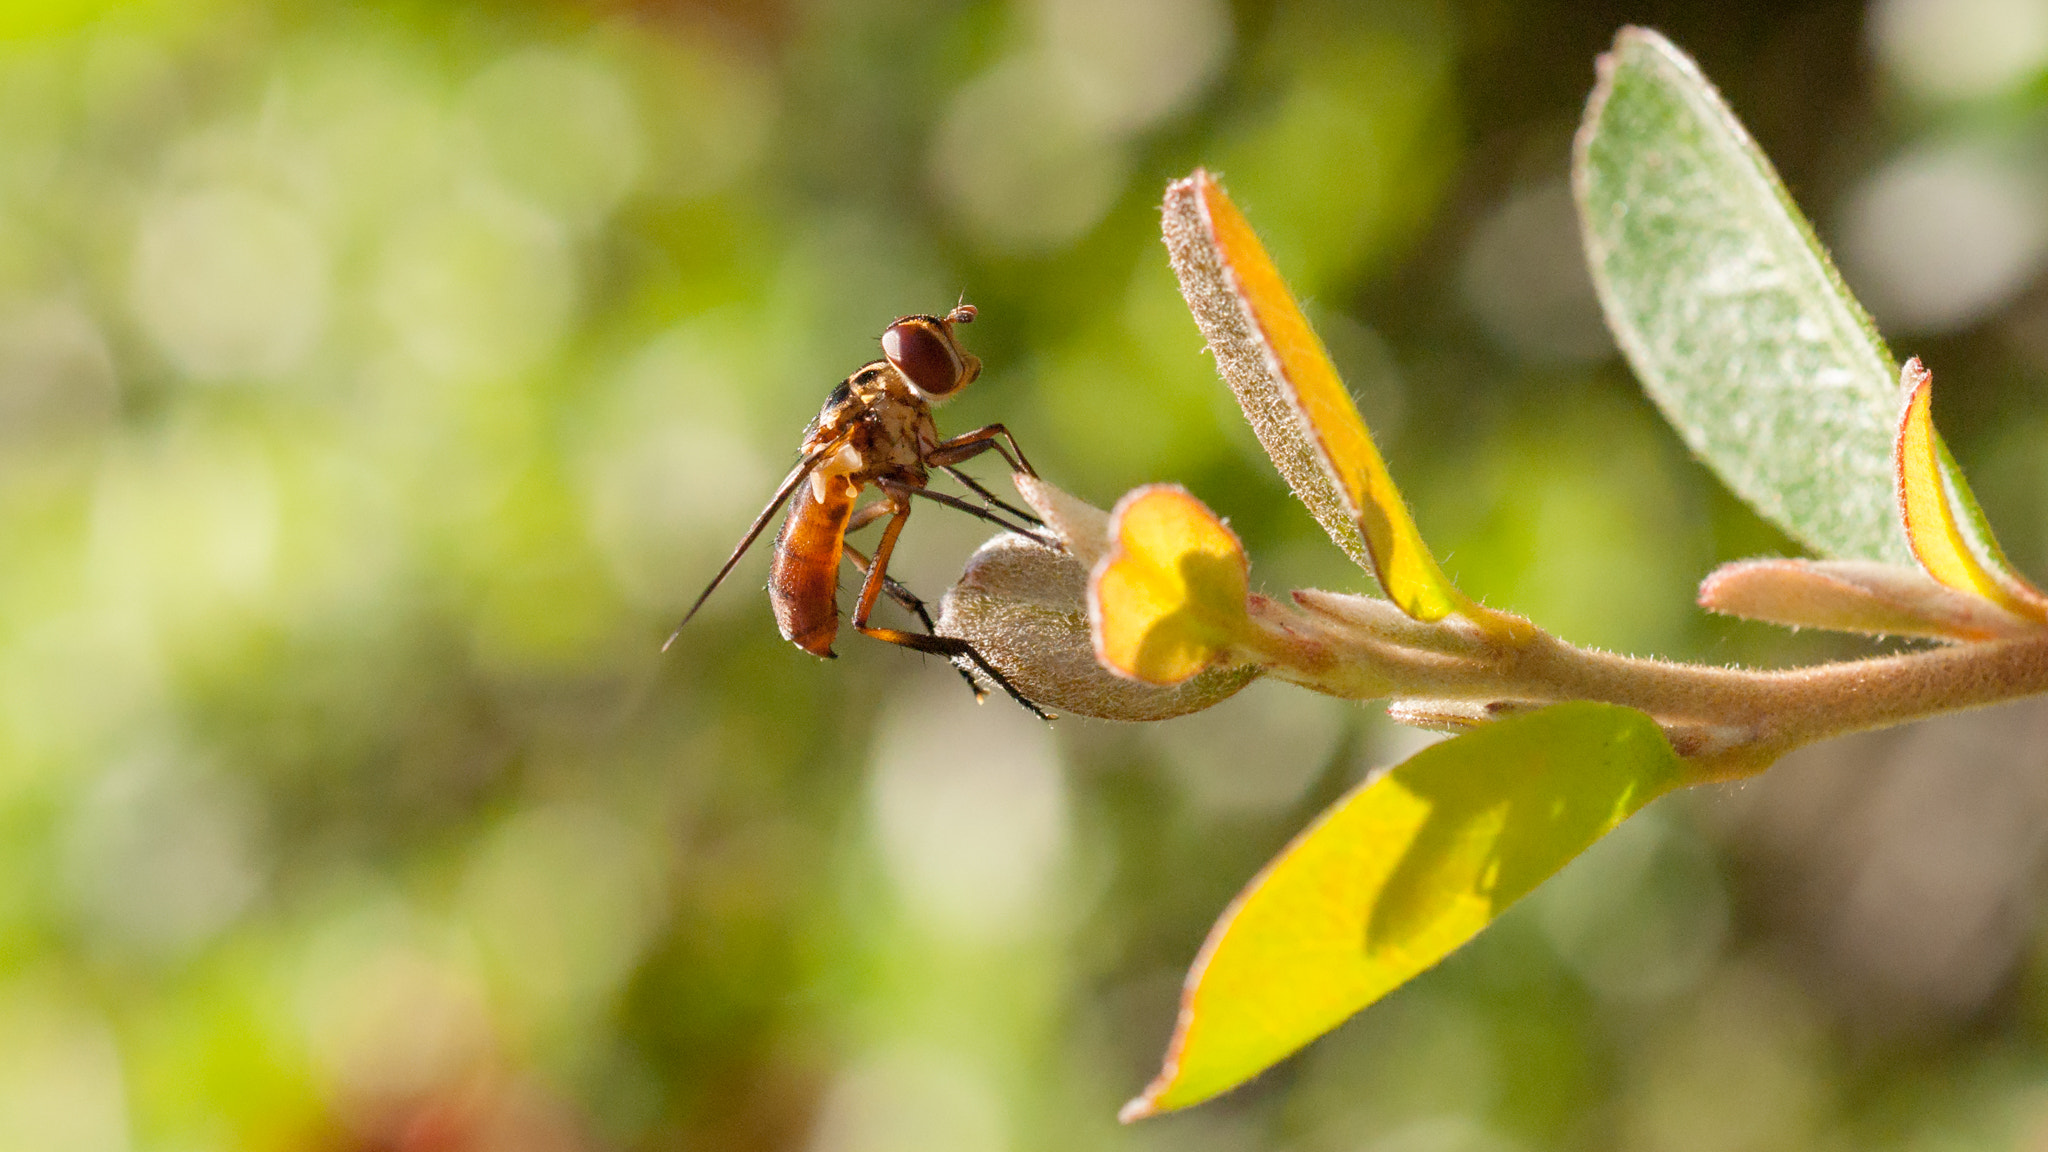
{"x": 790, "y": 483}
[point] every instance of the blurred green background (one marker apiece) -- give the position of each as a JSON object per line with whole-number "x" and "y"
{"x": 379, "y": 381}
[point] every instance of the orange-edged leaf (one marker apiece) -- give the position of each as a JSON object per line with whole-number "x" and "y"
{"x": 1294, "y": 399}
{"x": 1934, "y": 529}
{"x": 1168, "y": 599}
{"x": 1395, "y": 876}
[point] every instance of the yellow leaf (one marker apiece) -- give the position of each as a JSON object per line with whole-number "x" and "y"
{"x": 1395, "y": 876}
{"x": 1329, "y": 424}
{"x": 1168, "y": 599}
{"x": 1933, "y": 528}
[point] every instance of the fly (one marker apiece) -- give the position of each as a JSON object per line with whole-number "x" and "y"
{"x": 876, "y": 430}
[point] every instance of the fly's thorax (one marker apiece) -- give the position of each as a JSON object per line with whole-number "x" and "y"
{"x": 898, "y": 424}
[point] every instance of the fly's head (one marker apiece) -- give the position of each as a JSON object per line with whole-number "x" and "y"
{"x": 926, "y": 352}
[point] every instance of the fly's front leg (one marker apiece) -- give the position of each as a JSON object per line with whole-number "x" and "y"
{"x": 991, "y": 499}
{"x": 968, "y": 445}
{"x": 949, "y": 647}
{"x": 991, "y": 517}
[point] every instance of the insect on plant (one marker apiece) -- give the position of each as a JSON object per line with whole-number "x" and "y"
{"x": 876, "y": 429}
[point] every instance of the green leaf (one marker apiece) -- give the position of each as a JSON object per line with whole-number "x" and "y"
{"x": 1394, "y": 876}
{"x": 1730, "y": 311}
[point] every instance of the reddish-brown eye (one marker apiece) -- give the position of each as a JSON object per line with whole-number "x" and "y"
{"x": 927, "y": 356}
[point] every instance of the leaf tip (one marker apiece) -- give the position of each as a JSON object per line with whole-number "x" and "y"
{"x": 1911, "y": 454}
{"x": 1139, "y": 1107}
{"x": 1645, "y": 38}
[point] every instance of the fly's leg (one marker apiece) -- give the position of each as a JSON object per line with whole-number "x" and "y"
{"x": 968, "y": 445}
{"x": 911, "y": 603}
{"x": 984, "y": 514}
{"x": 993, "y": 500}
{"x": 865, "y": 516}
{"x": 949, "y": 647}
{"x": 952, "y": 649}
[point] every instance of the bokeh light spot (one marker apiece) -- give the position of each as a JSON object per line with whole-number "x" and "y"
{"x": 184, "y": 527}
{"x": 1940, "y": 237}
{"x": 1749, "y": 1038}
{"x": 1257, "y": 752}
{"x": 57, "y": 376}
{"x": 1020, "y": 165}
{"x": 1525, "y": 277}
{"x": 1961, "y": 49}
{"x": 230, "y": 283}
{"x": 386, "y": 1017}
{"x": 558, "y": 130}
{"x": 1131, "y": 63}
{"x": 668, "y": 461}
{"x": 562, "y": 899}
{"x": 971, "y": 811}
{"x": 480, "y": 288}
{"x": 60, "y": 1072}
{"x": 1641, "y": 916}
{"x": 162, "y": 856}
{"x": 911, "y": 1099}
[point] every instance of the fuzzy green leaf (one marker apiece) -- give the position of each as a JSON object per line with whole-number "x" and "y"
{"x": 1729, "y": 309}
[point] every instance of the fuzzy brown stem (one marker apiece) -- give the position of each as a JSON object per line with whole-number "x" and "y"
{"x": 1754, "y": 717}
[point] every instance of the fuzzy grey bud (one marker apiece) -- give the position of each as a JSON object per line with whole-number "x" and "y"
{"x": 1025, "y": 607}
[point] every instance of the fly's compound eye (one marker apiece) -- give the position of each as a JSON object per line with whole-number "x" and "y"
{"x": 925, "y": 353}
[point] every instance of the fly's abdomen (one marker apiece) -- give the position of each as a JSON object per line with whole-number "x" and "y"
{"x": 803, "y": 581}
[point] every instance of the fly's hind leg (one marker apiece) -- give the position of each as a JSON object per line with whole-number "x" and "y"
{"x": 950, "y": 647}
{"x": 955, "y": 649}
{"x": 912, "y": 604}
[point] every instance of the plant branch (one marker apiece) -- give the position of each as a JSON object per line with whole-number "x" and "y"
{"x": 1727, "y": 722}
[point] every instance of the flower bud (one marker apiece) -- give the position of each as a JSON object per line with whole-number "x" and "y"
{"x": 1025, "y": 607}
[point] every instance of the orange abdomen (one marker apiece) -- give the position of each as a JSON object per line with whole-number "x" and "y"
{"x": 803, "y": 581}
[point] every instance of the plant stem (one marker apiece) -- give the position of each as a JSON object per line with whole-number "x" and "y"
{"x": 1727, "y": 722}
